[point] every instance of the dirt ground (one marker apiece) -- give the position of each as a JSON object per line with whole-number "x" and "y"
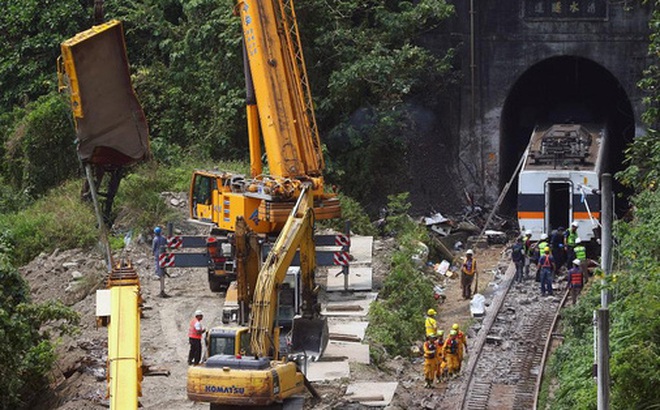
{"x": 79, "y": 379}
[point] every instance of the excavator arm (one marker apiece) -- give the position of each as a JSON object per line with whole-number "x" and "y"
{"x": 298, "y": 233}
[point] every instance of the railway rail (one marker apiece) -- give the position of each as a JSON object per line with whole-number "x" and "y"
{"x": 513, "y": 380}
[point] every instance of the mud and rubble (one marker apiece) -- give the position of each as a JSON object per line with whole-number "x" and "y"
{"x": 79, "y": 378}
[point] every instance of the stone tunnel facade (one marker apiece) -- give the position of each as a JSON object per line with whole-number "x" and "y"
{"x": 527, "y": 62}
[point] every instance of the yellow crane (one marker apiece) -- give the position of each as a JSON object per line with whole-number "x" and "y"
{"x": 280, "y": 113}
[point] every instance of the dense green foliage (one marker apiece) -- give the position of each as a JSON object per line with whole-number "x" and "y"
{"x": 26, "y": 330}
{"x": 367, "y": 71}
{"x": 396, "y": 319}
{"x": 634, "y": 286}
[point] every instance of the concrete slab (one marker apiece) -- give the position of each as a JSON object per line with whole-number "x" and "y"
{"x": 320, "y": 371}
{"x": 361, "y": 249}
{"x": 353, "y": 352}
{"x": 356, "y": 305}
{"x": 348, "y": 328}
{"x": 371, "y": 389}
{"x": 359, "y": 278}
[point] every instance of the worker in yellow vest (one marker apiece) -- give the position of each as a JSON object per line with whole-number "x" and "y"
{"x": 431, "y": 324}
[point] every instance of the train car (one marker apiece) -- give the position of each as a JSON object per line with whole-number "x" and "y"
{"x": 559, "y": 181}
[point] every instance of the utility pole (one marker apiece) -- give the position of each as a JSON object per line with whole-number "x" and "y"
{"x": 603, "y": 314}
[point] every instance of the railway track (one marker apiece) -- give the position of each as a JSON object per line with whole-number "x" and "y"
{"x": 505, "y": 367}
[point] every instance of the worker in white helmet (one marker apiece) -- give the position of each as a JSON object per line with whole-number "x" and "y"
{"x": 468, "y": 270}
{"x": 195, "y": 332}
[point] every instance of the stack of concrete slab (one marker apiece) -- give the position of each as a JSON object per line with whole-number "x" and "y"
{"x": 347, "y": 314}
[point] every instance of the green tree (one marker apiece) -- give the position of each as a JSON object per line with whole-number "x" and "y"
{"x": 44, "y": 129}
{"x": 32, "y": 31}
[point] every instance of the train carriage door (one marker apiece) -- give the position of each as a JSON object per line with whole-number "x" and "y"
{"x": 558, "y": 204}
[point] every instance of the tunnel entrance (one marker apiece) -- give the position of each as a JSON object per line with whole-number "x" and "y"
{"x": 565, "y": 89}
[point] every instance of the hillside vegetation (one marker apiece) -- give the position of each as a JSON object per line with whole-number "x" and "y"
{"x": 367, "y": 70}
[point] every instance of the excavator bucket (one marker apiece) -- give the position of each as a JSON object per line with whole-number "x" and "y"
{"x": 310, "y": 336}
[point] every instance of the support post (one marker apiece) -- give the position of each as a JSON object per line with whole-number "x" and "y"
{"x": 603, "y": 359}
{"x": 345, "y": 248}
{"x": 603, "y": 369}
{"x": 99, "y": 218}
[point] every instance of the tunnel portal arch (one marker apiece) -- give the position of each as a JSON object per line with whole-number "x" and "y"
{"x": 557, "y": 90}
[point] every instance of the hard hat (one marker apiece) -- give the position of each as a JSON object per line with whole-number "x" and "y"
{"x": 576, "y": 262}
{"x": 433, "y": 335}
{"x": 157, "y": 230}
{"x": 574, "y": 223}
{"x": 528, "y": 232}
{"x": 544, "y": 236}
{"x": 431, "y": 312}
{"x": 469, "y": 252}
{"x": 453, "y": 332}
{"x": 454, "y": 326}
{"x": 578, "y": 240}
{"x": 199, "y": 313}
{"x": 546, "y": 249}
{"x": 441, "y": 332}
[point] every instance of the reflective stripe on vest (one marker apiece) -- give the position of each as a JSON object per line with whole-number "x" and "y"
{"x": 192, "y": 332}
{"x": 576, "y": 277}
{"x": 546, "y": 263}
{"x": 580, "y": 252}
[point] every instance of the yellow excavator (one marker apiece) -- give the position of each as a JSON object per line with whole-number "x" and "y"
{"x": 280, "y": 113}
{"x": 247, "y": 366}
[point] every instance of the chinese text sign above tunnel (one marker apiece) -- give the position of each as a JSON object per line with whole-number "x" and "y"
{"x": 565, "y": 9}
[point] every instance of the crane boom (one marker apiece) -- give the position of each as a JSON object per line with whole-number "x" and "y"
{"x": 279, "y": 77}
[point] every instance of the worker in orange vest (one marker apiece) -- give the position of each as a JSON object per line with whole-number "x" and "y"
{"x": 462, "y": 341}
{"x": 441, "y": 371}
{"x": 450, "y": 351}
{"x": 575, "y": 279}
{"x": 430, "y": 360}
{"x": 195, "y": 332}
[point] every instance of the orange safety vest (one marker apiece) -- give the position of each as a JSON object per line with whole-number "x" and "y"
{"x": 546, "y": 263}
{"x": 473, "y": 267}
{"x": 576, "y": 277}
{"x": 192, "y": 332}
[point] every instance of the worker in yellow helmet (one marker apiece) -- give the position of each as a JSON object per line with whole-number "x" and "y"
{"x": 441, "y": 371}
{"x": 431, "y": 324}
{"x": 462, "y": 341}
{"x": 430, "y": 360}
{"x": 450, "y": 352}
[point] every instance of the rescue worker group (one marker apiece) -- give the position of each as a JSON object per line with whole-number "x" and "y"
{"x": 443, "y": 357}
